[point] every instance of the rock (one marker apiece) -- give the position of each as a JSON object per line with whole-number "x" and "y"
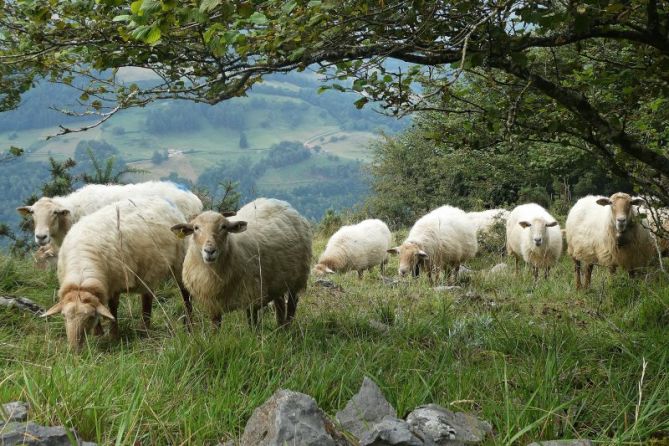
{"x": 499, "y": 268}
{"x": 391, "y": 281}
{"x": 562, "y": 443}
{"x": 463, "y": 270}
{"x": 290, "y": 418}
{"x": 325, "y": 283}
{"x": 31, "y": 434}
{"x": 227, "y": 443}
{"x": 447, "y": 288}
{"x": 445, "y": 427}
{"x": 14, "y": 411}
{"x": 364, "y": 409}
{"x": 391, "y": 431}
{"x": 21, "y": 303}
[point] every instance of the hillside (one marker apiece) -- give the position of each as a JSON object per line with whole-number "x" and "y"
{"x": 206, "y": 145}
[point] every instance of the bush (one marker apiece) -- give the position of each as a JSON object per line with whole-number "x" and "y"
{"x": 534, "y": 194}
{"x": 330, "y": 223}
{"x": 494, "y": 239}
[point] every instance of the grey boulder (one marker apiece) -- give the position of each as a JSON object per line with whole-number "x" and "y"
{"x": 364, "y": 409}
{"x": 31, "y": 434}
{"x": 291, "y": 418}
{"x": 391, "y": 431}
{"x": 444, "y": 427}
{"x": 14, "y": 411}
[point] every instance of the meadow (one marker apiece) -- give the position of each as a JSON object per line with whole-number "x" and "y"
{"x": 539, "y": 361}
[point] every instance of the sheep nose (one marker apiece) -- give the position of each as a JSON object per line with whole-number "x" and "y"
{"x": 621, "y": 219}
{"x": 41, "y": 239}
{"x": 538, "y": 240}
{"x": 210, "y": 251}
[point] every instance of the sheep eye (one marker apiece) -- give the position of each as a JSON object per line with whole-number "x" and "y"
{"x": 196, "y": 228}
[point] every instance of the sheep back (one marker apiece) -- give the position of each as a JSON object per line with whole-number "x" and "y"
{"x": 357, "y": 247}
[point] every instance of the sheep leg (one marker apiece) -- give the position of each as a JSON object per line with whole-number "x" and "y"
{"x": 588, "y": 275}
{"x": 185, "y": 295}
{"x": 546, "y": 271}
{"x": 292, "y": 306}
{"x": 98, "y": 329}
{"x": 360, "y": 274}
{"x": 147, "y": 303}
{"x": 577, "y": 273}
{"x": 216, "y": 320}
{"x": 613, "y": 269}
{"x": 382, "y": 267}
{"x": 535, "y": 273}
{"x": 455, "y": 270}
{"x": 517, "y": 264}
{"x": 113, "y": 309}
{"x": 252, "y": 316}
{"x": 280, "y": 309}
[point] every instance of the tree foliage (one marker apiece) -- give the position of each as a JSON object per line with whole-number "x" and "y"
{"x": 590, "y": 73}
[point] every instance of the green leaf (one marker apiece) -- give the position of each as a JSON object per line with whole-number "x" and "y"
{"x": 122, "y": 18}
{"x": 153, "y": 36}
{"x": 258, "y": 18}
{"x": 135, "y": 6}
{"x": 208, "y": 5}
{"x": 360, "y": 103}
{"x": 84, "y": 96}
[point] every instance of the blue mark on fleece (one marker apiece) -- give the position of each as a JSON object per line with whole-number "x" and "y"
{"x": 181, "y": 186}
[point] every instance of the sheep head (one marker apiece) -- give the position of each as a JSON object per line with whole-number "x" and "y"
{"x": 51, "y": 220}
{"x": 538, "y": 229}
{"x": 210, "y": 231}
{"x": 82, "y": 311}
{"x": 411, "y": 256}
{"x": 621, "y": 210}
{"x": 321, "y": 270}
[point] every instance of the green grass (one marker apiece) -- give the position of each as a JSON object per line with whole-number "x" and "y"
{"x": 538, "y": 362}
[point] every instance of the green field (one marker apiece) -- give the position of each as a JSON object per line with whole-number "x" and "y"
{"x": 539, "y": 361}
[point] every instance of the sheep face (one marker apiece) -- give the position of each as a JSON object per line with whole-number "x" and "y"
{"x": 538, "y": 232}
{"x": 411, "y": 256}
{"x": 321, "y": 270}
{"x": 50, "y": 220}
{"x": 82, "y": 311}
{"x": 621, "y": 210}
{"x": 210, "y": 231}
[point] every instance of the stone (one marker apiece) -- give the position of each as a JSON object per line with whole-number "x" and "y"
{"x": 290, "y": 418}
{"x": 499, "y": 268}
{"x": 364, "y": 409}
{"x": 562, "y": 443}
{"x": 325, "y": 283}
{"x": 31, "y": 434}
{"x": 463, "y": 270}
{"x": 444, "y": 427}
{"x": 21, "y": 303}
{"x": 447, "y": 288}
{"x": 391, "y": 431}
{"x": 14, "y": 411}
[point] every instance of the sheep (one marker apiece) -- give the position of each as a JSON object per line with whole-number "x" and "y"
{"x": 657, "y": 221}
{"x": 53, "y": 217}
{"x": 260, "y": 256}
{"x": 485, "y": 220}
{"x": 125, "y": 246}
{"x": 606, "y": 231}
{"x": 356, "y": 247}
{"x": 535, "y": 236}
{"x": 444, "y": 238}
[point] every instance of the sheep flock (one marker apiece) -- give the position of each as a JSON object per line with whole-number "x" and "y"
{"x": 108, "y": 240}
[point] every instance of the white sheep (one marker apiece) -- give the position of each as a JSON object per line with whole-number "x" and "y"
{"x": 444, "y": 238}
{"x": 262, "y": 255}
{"x": 124, "y": 247}
{"x": 356, "y": 247}
{"x": 657, "y": 221}
{"x": 607, "y": 232}
{"x": 53, "y": 217}
{"x": 485, "y": 220}
{"x": 535, "y": 236}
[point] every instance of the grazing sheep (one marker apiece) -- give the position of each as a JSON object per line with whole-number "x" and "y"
{"x": 53, "y": 217}
{"x": 485, "y": 220}
{"x": 606, "y": 232}
{"x": 533, "y": 235}
{"x": 356, "y": 248}
{"x": 657, "y": 221}
{"x": 124, "y": 247}
{"x": 444, "y": 238}
{"x": 260, "y": 256}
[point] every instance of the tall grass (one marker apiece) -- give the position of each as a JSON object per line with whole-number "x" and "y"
{"x": 539, "y": 361}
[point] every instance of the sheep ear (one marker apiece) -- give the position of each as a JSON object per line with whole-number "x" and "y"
{"x": 53, "y": 310}
{"x": 25, "y": 210}
{"x": 525, "y": 224}
{"x": 422, "y": 254}
{"x": 551, "y": 224}
{"x": 236, "y": 226}
{"x": 395, "y": 250}
{"x": 228, "y": 213}
{"x": 182, "y": 229}
{"x": 62, "y": 212}
{"x": 603, "y": 202}
{"x": 329, "y": 271}
{"x": 638, "y": 202}
{"x": 104, "y": 312}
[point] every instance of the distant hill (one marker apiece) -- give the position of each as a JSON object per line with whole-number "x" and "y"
{"x": 240, "y": 139}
